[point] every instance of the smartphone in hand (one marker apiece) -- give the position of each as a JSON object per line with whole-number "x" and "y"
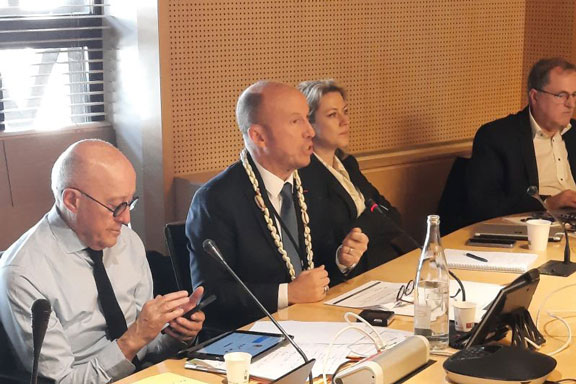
{"x": 200, "y": 306}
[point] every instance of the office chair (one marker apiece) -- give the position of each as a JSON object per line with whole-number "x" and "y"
{"x": 452, "y": 207}
{"x": 177, "y": 243}
{"x": 9, "y": 373}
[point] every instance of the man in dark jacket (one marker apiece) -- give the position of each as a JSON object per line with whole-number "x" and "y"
{"x": 535, "y": 147}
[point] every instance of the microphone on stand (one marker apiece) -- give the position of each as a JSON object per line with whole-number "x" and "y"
{"x": 375, "y": 207}
{"x": 41, "y": 310}
{"x": 554, "y": 267}
{"x": 211, "y": 248}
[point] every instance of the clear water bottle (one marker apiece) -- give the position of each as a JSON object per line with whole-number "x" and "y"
{"x": 431, "y": 292}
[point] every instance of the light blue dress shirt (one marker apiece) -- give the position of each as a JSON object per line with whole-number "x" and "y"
{"x": 49, "y": 261}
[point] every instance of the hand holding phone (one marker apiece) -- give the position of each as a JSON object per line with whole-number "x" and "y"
{"x": 200, "y": 306}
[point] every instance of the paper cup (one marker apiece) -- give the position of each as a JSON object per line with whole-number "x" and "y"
{"x": 464, "y": 315}
{"x": 238, "y": 367}
{"x": 538, "y": 231}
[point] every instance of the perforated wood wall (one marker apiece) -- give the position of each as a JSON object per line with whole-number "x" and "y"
{"x": 418, "y": 72}
{"x": 550, "y": 31}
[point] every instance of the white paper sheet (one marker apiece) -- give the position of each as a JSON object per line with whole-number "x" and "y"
{"x": 381, "y": 294}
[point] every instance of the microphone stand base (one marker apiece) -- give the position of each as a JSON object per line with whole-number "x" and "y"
{"x": 557, "y": 268}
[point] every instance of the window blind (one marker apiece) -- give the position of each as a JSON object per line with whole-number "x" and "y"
{"x": 51, "y": 63}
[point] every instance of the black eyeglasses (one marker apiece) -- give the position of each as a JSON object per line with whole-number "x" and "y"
{"x": 407, "y": 289}
{"x": 118, "y": 210}
{"x": 559, "y": 98}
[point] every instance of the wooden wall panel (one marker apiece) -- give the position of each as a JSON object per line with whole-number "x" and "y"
{"x": 414, "y": 188}
{"x": 29, "y": 174}
{"x": 550, "y": 30}
{"x": 29, "y": 160}
{"x": 418, "y": 72}
{"x": 5, "y": 195}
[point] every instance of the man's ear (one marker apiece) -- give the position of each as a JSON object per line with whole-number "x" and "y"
{"x": 257, "y": 134}
{"x": 532, "y": 96}
{"x": 71, "y": 200}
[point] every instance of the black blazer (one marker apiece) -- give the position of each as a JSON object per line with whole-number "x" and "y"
{"x": 333, "y": 214}
{"x": 503, "y": 166}
{"x": 224, "y": 210}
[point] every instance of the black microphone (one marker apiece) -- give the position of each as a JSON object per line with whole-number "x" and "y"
{"x": 41, "y": 310}
{"x": 375, "y": 207}
{"x": 554, "y": 267}
{"x": 211, "y": 248}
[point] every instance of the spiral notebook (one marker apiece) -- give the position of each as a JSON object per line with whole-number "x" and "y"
{"x": 497, "y": 261}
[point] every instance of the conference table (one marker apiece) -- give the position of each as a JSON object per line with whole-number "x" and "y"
{"x": 403, "y": 269}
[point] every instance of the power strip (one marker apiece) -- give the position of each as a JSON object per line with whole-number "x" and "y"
{"x": 388, "y": 366}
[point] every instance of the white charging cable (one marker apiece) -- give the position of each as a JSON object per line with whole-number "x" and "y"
{"x": 553, "y": 315}
{"x": 377, "y": 340}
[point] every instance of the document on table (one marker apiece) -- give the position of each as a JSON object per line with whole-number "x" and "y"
{"x": 313, "y": 338}
{"x": 372, "y": 294}
{"x": 382, "y": 295}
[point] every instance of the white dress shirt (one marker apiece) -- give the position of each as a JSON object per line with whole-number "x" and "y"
{"x": 273, "y": 185}
{"x": 49, "y": 261}
{"x": 554, "y": 173}
{"x": 341, "y": 174}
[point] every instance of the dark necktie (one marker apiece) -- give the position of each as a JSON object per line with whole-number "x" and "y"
{"x": 115, "y": 320}
{"x": 288, "y": 216}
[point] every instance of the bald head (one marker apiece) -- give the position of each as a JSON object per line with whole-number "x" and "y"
{"x": 273, "y": 120}
{"x": 87, "y": 163}
{"x": 254, "y": 99}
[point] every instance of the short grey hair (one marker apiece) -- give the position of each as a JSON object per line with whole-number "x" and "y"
{"x": 248, "y": 105}
{"x": 69, "y": 167}
{"x": 314, "y": 90}
{"x": 539, "y": 76}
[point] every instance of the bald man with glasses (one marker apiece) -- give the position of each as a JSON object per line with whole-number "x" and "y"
{"x": 535, "y": 147}
{"x": 84, "y": 259}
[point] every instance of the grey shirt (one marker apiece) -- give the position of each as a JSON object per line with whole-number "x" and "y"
{"x": 49, "y": 261}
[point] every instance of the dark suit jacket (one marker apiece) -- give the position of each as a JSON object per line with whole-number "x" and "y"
{"x": 333, "y": 214}
{"x": 225, "y": 211}
{"x": 503, "y": 166}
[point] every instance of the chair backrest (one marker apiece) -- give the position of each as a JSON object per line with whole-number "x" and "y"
{"x": 177, "y": 243}
{"x": 6, "y": 357}
{"x": 9, "y": 372}
{"x": 452, "y": 207}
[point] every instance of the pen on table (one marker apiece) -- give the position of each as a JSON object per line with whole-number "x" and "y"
{"x": 472, "y": 256}
{"x": 205, "y": 369}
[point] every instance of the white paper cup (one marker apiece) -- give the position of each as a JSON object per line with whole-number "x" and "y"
{"x": 538, "y": 231}
{"x": 464, "y": 315}
{"x": 238, "y": 367}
